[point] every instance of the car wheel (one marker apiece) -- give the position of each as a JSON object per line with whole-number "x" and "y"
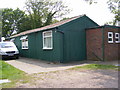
{"x": 17, "y": 57}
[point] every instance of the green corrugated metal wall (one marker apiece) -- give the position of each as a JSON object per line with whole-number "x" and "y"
{"x": 35, "y": 47}
{"x": 75, "y": 38}
{"x": 69, "y": 46}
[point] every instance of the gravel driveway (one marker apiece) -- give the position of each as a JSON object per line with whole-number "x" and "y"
{"x": 62, "y": 78}
{"x": 74, "y": 79}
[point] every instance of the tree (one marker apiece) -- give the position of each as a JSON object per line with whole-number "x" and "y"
{"x": 39, "y": 13}
{"x": 91, "y": 1}
{"x": 26, "y": 25}
{"x": 42, "y": 12}
{"x": 35, "y": 10}
{"x": 12, "y": 21}
{"x": 114, "y": 6}
{"x": 7, "y": 15}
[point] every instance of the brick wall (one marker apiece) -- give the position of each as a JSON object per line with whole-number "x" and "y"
{"x": 93, "y": 44}
{"x": 111, "y": 49}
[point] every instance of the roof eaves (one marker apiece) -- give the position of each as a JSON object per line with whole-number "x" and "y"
{"x": 112, "y": 26}
{"x": 94, "y": 27}
{"x": 23, "y": 33}
{"x": 47, "y": 27}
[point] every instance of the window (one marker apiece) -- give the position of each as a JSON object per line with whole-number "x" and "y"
{"x": 47, "y": 40}
{"x": 110, "y": 37}
{"x": 117, "y": 37}
{"x": 24, "y": 42}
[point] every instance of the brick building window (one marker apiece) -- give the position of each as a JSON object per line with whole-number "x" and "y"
{"x": 117, "y": 38}
{"x": 110, "y": 37}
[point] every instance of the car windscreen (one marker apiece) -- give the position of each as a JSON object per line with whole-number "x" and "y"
{"x": 6, "y": 45}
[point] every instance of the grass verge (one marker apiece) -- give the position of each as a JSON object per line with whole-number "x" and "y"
{"x": 96, "y": 66}
{"x": 9, "y": 72}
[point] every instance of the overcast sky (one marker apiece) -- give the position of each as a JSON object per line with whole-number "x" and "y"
{"x": 98, "y": 12}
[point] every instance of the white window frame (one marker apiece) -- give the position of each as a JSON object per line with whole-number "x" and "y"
{"x": 117, "y": 37}
{"x": 24, "y": 42}
{"x": 43, "y": 35}
{"x": 110, "y": 37}
{"x": 12, "y": 40}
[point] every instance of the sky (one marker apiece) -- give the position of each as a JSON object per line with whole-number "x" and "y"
{"x": 97, "y": 12}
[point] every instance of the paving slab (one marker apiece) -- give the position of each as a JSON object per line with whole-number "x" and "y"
{"x": 31, "y": 66}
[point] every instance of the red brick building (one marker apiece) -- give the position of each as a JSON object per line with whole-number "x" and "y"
{"x": 103, "y": 43}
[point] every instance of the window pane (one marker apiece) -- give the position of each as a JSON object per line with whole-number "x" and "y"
{"x": 45, "y": 42}
{"x": 47, "y": 39}
{"x": 25, "y": 43}
{"x": 49, "y": 42}
{"x": 47, "y": 34}
{"x": 22, "y": 43}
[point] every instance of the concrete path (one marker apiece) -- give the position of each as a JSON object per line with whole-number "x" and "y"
{"x": 31, "y": 66}
{"x": 36, "y": 66}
